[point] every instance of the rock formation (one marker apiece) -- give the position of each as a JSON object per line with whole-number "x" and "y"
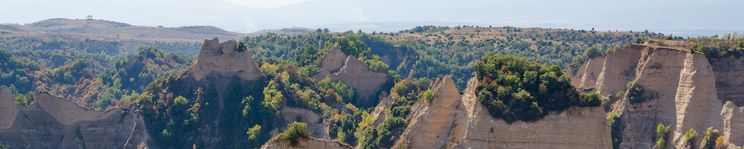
{"x": 226, "y": 59}
{"x": 687, "y": 90}
{"x": 452, "y": 120}
{"x": 52, "y": 122}
{"x": 351, "y": 71}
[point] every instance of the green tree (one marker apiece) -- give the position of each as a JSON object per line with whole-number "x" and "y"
{"x": 247, "y": 106}
{"x": 427, "y": 95}
{"x": 181, "y": 101}
{"x": 254, "y": 133}
{"x": 272, "y": 96}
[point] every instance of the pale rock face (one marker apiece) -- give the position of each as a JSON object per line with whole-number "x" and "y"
{"x": 729, "y": 78}
{"x": 689, "y": 92}
{"x": 433, "y": 124}
{"x": 733, "y": 123}
{"x": 354, "y": 73}
{"x": 696, "y": 103}
{"x": 8, "y": 108}
{"x": 223, "y": 60}
{"x": 659, "y": 75}
{"x": 53, "y": 122}
{"x": 460, "y": 121}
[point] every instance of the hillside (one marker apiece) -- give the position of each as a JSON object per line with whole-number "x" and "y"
{"x": 110, "y": 36}
{"x": 113, "y": 31}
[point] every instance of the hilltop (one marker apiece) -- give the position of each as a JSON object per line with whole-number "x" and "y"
{"x": 114, "y": 31}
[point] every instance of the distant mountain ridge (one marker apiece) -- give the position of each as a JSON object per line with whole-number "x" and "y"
{"x": 111, "y": 30}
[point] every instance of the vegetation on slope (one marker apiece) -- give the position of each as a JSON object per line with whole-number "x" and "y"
{"x": 514, "y": 88}
{"x": 430, "y": 51}
{"x": 98, "y": 79}
{"x": 405, "y": 93}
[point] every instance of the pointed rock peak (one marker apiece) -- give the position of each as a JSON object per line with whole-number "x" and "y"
{"x": 349, "y": 70}
{"x": 225, "y": 59}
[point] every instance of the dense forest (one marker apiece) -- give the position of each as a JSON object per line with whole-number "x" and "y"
{"x": 429, "y": 51}
{"x": 93, "y": 73}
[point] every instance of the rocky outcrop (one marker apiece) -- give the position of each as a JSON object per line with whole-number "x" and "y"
{"x": 351, "y": 71}
{"x": 227, "y": 60}
{"x": 313, "y": 120}
{"x": 8, "y": 108}
{"x": 685, "y": 90}
{"x": 432, "y": 124}
{"x": 306, "y": 143}
{"x": 52, "y": 122}
{"x": 733, "y": 118}
{"x": 452, "y": 120}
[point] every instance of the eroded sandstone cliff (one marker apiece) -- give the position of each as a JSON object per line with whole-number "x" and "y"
{"x": 349, "y": 70}
{"x": 52, "y": 122}
{"x": 225, "y": 59}
{"x": 683, "y": 90}
{"x": 452, "y": 120}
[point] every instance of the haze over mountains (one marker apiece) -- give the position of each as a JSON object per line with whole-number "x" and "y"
{"x": 679, "y": 17}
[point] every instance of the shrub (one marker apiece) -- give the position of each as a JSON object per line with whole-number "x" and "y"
{"x": 612, "y": 117}
{"x": 180, "y": 100}
{"x": 427, "y": 95}
{"x": 660, "y": 143}
{"x": 707, "y": 141}
{"x": 254, "y": 132}
{"x": 661, "y": 135}
{"x": 721, "y": 142}
{"x": 639, "y": 94}
{"x": 272, "y": 96}
{"x": 294, "y": 132}
{"x": 690, "y": 136}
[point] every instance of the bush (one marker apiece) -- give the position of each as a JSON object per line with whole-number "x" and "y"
{"x": 721, "y": 142}
{"x": 690, "y": 136}
{"x": 294, "y": 132}
{"x": 708, "y": 141}
{"x": 254, "y": 132}
{"x": 661, "y": 135}
{"x": 612, "y": 117}
{"x": 639, "y": 94}
{"x": 427, "y": 95}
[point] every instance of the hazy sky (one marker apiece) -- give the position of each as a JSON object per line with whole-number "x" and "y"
{"x": 252, "y": 15}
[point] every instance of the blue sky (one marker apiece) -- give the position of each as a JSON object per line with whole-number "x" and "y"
{"x": 251, "y": 15}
